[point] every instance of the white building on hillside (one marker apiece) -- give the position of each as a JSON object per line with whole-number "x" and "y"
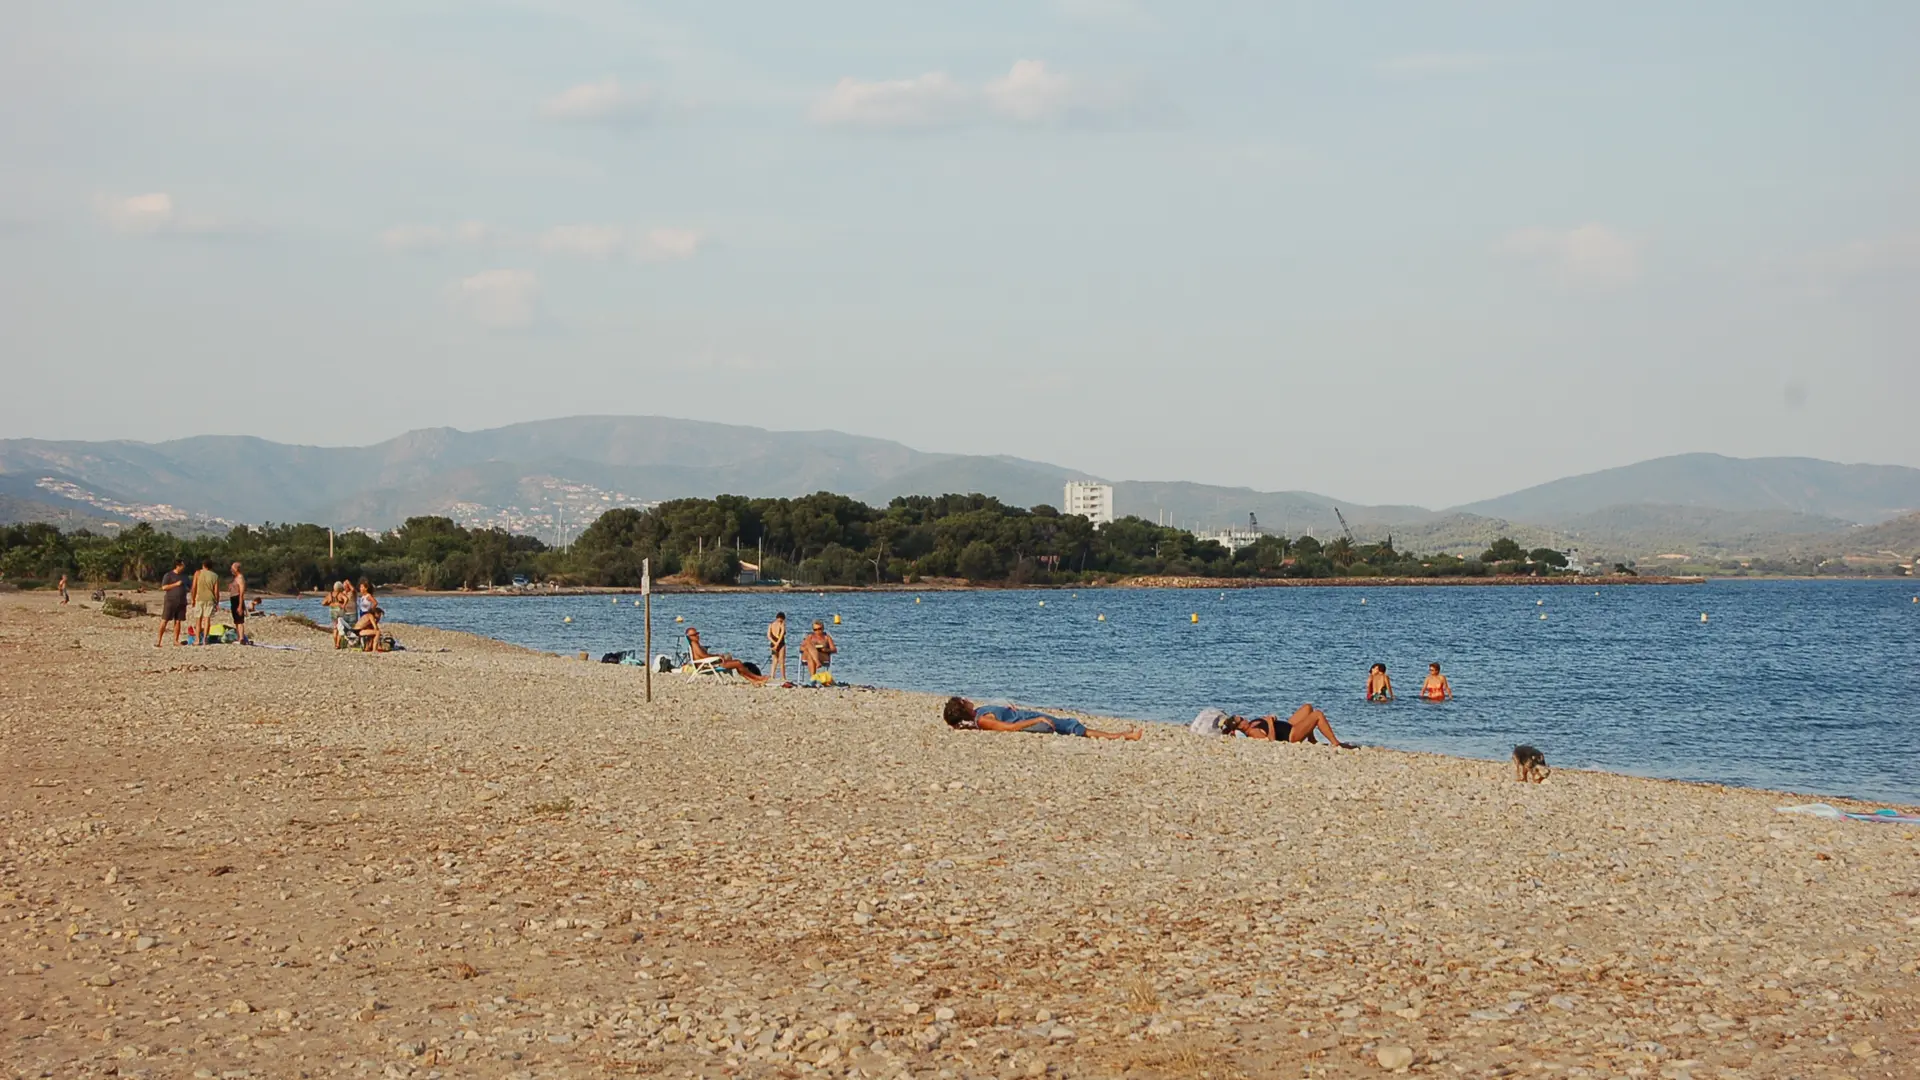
{"x": 1091, "y": 501}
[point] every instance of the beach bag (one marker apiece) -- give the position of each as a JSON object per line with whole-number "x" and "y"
{"x": 1209, "y": 722}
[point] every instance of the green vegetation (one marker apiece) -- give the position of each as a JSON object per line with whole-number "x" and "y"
{"x": 431, "y": 552}
{"x": 821, "y": 539}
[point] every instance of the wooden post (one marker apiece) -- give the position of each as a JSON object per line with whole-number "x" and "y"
{"x": 646, "y": 597}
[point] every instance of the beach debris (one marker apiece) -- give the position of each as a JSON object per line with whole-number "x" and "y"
{"x": 1393, "y": 1058}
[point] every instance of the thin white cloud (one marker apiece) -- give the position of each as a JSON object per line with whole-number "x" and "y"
{"x": 670, "y": 245}
{"x": 605, "y": 101}
{"x": 1434, "y": 64}
{"x": 1029, "y": 94}
{"x": 585, "y": 241}
{"x": 1888, "y": 256}
{"x": 926, "y": 101}
{"x": 155, "y": 213}
{"x": 1590, "y": 254}
{"x": 466, "y": 234}
{"x": 498, "y": 299}
{"x": 588, "y": 241}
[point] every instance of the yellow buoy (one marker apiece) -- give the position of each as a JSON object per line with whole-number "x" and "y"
{"x": 1195, "y": 617}
{"x": 1543, "y": 616}
{"x": 836, "y": 620}
{"x": 1539, "y": 603}
{"x": 1043, "y": 603}
{"x": 1703, "y": 616}
{"x": 616, "y": 601}
{"x": 678, "y": 618}
{"x": 567, "y": 619}
{"x": 916, "y": 599}
{"x": 1103, "y": 617}
{"x": 636, "y": 603}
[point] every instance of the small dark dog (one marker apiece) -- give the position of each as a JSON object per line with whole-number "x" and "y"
{"x": 1529, "y": 765}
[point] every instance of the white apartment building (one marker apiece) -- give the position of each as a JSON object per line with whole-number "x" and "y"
{"x": 1091, "y": 501}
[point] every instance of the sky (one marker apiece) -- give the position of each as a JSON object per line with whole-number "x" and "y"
{"x": 1394, "y": 253}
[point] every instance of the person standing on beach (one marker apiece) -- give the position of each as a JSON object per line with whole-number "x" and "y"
{"x": 237, "y": 601}
{"x": 63, "y": 590}
{"x": 777, "y": 646}
{"x": 203, "y": 597}
{"x": 173, "y": 601}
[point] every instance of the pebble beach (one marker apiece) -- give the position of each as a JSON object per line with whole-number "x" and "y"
{"x": 473, "y": 860}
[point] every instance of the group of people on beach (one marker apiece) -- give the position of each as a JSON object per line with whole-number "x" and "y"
{"x": 356, "y": 615}
{"x": 817, "y": 650}
{"x": 189, "y": 601}
{"x": 1306, "y": 724}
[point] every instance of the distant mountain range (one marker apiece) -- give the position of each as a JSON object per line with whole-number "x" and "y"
{"x": 552, "y": 477}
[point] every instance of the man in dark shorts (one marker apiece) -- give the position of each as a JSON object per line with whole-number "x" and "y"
{"x": 173, "y": 601}
{"x": 237, "y": 603}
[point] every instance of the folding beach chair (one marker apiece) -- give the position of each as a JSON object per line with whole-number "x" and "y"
{"x": 707, "y": 666}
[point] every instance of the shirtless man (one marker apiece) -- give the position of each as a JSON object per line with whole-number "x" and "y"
{"x": 1379, "y": 687}
{"x": 237, "y": 603}
{"x": 63, "y": 590}
{"x": 738, "y": 667}
{"x": 817, "y": 649}
{"x": 1299, "y": 727}
{"x": 1436, "y": 688}
{"x": 963, "y": 715}
{"x": 777, "y": 646}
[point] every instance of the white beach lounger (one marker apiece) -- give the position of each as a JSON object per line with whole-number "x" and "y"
{"x": 709, "y": 666}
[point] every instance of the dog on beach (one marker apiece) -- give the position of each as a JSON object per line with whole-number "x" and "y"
{"x": 1529, "y": 765}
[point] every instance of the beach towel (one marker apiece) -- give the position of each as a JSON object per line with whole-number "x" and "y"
{"x": 1834, "y": 813}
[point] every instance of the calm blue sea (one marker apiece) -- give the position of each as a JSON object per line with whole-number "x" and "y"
{"x": 1797, "y": 685}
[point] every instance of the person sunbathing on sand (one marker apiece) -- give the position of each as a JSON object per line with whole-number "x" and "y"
{"x": 1379, "y": 687}
{"x": 1436, "y": 688}
{"x": 738, "y": 667}
{"x": 1299, "y": 727}
{"x": 962, "y": 714}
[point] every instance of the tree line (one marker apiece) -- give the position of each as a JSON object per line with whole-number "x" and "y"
{"x": 821, "y": 539}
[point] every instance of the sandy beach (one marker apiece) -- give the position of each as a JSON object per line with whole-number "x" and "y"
{"x": 472, "y": 860}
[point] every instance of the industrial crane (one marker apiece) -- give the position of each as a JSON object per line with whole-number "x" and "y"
{"x": 1343, "y": 524}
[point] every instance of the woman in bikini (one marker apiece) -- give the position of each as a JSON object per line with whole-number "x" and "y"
{"x": 1436, "y": 688}
{"x": 1300, "y": 727}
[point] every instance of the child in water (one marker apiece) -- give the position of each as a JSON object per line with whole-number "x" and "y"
{"x": 1379, "y": 687}
{"x": 1436, "y": 688}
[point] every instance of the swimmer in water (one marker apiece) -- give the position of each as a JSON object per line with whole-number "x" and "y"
{"x": 1436, "y": 688}
{"x": 1379, "y": 687}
